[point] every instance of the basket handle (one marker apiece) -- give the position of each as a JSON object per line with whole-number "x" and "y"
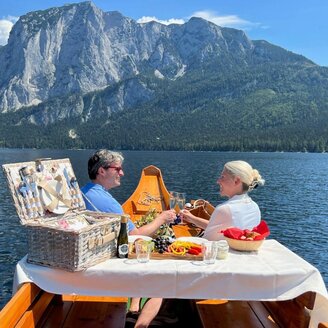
{"x": 199, "y": 203}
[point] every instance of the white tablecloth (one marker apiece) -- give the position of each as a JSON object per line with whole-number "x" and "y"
{"x": 272, "y": 273}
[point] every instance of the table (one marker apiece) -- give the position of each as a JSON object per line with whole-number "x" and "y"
{"x": 272, "y": 273}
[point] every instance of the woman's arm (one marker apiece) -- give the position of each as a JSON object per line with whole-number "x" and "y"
{"x": 220, "y": 219}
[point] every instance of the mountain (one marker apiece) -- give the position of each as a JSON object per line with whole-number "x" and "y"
{"x": 73, "y": 72}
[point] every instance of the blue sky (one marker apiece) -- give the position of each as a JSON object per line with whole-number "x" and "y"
{"x": 300, "y": 26}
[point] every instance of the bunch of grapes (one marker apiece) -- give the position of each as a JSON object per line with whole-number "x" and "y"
{"x": 162, "y": 243}
{"x": 177, "y": 220}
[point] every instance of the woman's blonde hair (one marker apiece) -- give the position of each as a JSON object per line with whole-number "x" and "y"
{"x": 250, "y": 177}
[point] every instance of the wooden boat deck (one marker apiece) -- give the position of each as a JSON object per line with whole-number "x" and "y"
{"x": 35, "y": 308}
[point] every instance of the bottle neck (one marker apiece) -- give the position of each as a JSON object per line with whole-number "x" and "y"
{"x": 124, "y": 219}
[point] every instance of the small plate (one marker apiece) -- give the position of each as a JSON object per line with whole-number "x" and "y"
{"x": 196, "y": 240}
{"x": 132, "y": 238}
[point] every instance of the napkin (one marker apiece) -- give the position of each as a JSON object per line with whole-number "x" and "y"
{"x": 236, "y": 233}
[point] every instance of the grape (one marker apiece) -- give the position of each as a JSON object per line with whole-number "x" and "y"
{"x": 162, "y": 243}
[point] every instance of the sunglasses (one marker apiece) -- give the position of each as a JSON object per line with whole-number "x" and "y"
{"x": 118, "y": 169}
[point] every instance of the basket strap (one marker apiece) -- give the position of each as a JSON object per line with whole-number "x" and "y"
{"x": 90, "y": 202}
{"x": 64, "y": 188}
{"x": 93, "y": 242}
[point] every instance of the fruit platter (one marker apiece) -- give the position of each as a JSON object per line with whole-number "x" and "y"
{"x": 164, "y": 248}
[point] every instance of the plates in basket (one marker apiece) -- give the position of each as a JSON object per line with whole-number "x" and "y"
{"x": 132, "y": 238}
{"x": 47, "y": 199}
{"x": 196, "y": 240}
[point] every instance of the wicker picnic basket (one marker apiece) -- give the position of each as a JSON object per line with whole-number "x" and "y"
{"x": 61, "y": 233}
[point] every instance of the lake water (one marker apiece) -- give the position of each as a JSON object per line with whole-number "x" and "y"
{"x": 294, "y": 200}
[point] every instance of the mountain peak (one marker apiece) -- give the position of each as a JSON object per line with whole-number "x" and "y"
{"x": 78, "y": 49}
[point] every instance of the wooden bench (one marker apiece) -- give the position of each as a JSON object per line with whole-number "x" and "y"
{"x": 230, "y": 314}
{"x": 292, "y": 313}
{"x": 33, "y": 307}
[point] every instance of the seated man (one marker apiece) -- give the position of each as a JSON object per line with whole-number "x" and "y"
{"x": 105, "y": 172}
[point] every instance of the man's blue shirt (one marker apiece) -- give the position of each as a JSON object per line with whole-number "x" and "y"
{"x": 97, "y": 198}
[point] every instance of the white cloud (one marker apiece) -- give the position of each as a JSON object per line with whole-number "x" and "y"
{"x": 146, "y": 19}
{"x": 6, "y": 25}
{"x": 225, "y": 21}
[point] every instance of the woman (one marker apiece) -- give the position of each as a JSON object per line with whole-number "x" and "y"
{"x": 236, "y": 180}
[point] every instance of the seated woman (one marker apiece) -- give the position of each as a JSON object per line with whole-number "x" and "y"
{"x": 236, "y": 180}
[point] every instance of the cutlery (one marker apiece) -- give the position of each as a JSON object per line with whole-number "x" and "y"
{"x": 67, "y": 177}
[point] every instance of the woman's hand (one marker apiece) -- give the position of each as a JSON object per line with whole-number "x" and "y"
{"x": 167, "y": 216}
{"x": 186, "y": 216}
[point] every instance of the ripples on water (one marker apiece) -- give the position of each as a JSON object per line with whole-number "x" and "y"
{"x": 294, "y": 200}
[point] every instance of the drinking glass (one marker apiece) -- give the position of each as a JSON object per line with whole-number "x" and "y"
{"x": 177, "y": 198}
{"x": 173, "y": 199}
{"x": 209, "y": 251}
{"x": 222, "y": 249}
{"x": 143, "y": 250}
{"x": 181, "y": 200}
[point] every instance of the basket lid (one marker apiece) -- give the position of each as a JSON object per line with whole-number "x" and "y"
{"x": 43, "y": 188}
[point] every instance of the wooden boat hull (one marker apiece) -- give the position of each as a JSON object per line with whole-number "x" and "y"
{"x": 31, "y": 306}
{"x": 150, "y": 193}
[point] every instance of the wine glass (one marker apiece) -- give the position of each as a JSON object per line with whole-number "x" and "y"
{"x": 177, "y": 198}
{"x": 173, "y": 203}
{"x": 181, "y": 200}
{"x": 173, "y": 199}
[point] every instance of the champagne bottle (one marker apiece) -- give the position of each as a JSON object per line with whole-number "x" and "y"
{"x": 122, "y": 240}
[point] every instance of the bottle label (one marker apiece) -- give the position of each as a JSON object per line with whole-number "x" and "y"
{"x": 123, "y": 249}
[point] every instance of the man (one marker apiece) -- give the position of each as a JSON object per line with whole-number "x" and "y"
{"x": 105, "y": 172}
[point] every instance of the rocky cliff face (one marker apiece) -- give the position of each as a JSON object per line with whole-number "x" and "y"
{"x": 60, "y": 54}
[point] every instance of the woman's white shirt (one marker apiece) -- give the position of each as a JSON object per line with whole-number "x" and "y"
{"x": 239, "y": 211}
